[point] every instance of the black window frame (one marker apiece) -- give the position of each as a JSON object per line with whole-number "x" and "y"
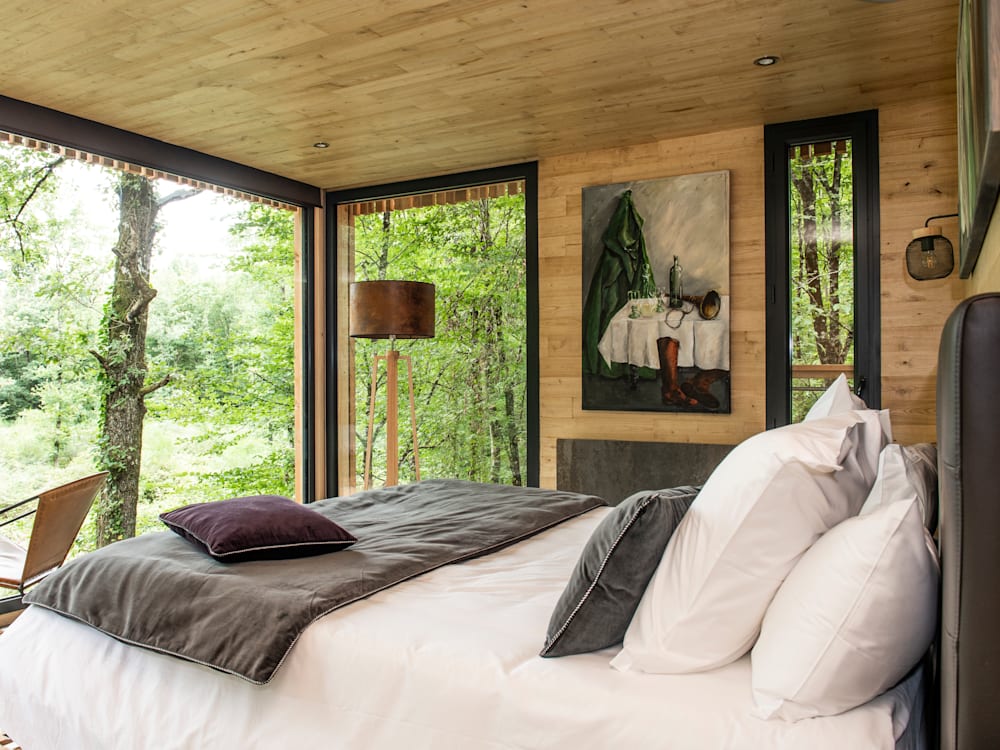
{"x": 862, "y": 128}
{"x": 526, "y": 172}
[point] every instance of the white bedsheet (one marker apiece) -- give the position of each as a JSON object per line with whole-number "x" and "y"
{"x": 446, "y": 661}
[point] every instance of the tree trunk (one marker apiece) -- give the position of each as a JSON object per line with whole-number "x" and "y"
{"x": 495, "y": 442}
{"x": 123, "y": 359}
{"x": 513, "y": 449}
{"x": 841, "y": 336}
{"x": 383, "y": 258}
{"x": 809, "y": 257}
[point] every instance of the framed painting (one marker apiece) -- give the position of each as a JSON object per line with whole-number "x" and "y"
{"x": 978, "y": 79}
{"x": 656, "y": 295}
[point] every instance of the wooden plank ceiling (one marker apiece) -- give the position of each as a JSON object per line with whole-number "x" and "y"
{"x": 410, "y": 88}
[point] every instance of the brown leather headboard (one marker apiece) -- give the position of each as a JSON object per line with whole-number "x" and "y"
{"x": 968, "y": 431}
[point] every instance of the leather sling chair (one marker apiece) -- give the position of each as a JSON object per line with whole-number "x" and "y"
{"x": 59, "y": 514}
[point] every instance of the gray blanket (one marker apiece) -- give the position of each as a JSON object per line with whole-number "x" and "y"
{"x": 159, "y": 592}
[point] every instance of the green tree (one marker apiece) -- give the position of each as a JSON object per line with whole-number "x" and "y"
{"x": 822, "y": 260}
{"x": 43, "y": 339}
{"x": 26, "y": 177}
{"x": 122, "y": 356}
{"x": 231, "y": 345}
{"x": 224, "y": 427}
{"x": 470, "y": 377}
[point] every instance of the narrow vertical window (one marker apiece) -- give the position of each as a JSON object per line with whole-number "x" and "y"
{"x": 821, "y": 270}
{"x": 821, "y": 203}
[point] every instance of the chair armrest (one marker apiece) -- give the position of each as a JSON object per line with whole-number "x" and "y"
{"x": 11, "y": 604}
{"x": 14, "y": 507}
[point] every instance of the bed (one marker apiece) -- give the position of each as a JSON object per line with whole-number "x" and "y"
{"x": 450, "y": 658}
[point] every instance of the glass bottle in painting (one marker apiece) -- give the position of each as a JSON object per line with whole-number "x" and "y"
{"x": 676, "y": 287}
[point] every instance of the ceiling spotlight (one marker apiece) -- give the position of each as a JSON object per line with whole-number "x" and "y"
{"x": 766, "y": 60}
{"x": 321, "y": 144}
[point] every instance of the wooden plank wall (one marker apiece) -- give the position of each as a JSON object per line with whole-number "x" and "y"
{"x": 918, "y": 151}
{"x": 918, "y": 179}
{"x": 986, "y": 275}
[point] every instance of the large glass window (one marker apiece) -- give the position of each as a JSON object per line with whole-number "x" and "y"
{"x": 473, "y": 381}
{"x": 469, "y": 381}
{"x": 186, "y": 323}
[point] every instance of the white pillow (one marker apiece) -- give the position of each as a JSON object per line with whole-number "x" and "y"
{"x": 768, "y": 501}
{"x": 905, "y": 471}
{"x": 835, "y": 400}
{"x": 891, "y": 483}
{"x": 852, "y": 618}
{"x": 11, "y": 560}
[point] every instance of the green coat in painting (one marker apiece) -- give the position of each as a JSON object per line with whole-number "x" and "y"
{"x": 623, "y": 268}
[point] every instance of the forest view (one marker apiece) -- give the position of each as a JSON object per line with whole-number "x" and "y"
{"x": 216, "y": 308}
{"x": 147, "y": 329}
{"x": 470, "y": 378}
{"x": 822, "y": 266}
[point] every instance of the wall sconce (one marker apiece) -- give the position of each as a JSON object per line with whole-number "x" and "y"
{"x": 391, "y": 310}
{"x": 930, "y": 254}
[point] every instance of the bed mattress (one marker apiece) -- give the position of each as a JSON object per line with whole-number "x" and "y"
{"x": 445, "y": 661}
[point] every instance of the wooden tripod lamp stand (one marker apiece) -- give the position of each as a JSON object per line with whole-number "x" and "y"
{"x": 391, "y": 310}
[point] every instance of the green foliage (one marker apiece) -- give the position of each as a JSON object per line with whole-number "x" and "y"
{"x": 230, "y": 344}
{"x": 223, "y": 427}
{"x": 822, "y": 260}
{"x": 25, "y": 182}
{"x": 469, "y": 379}
{"x": 48, "y": 311}
{"x": 822, "y": 263}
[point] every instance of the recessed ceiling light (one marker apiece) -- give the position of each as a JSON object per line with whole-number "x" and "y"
{"x": 321, "y": 144}
{"x": 766, "y": 60}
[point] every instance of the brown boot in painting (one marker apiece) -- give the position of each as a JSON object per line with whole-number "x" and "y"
{"x": 667, "y": 349}
{"x": 698, "y": 387}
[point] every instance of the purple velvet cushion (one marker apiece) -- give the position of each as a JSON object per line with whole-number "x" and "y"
{"x": 260, "y": 527}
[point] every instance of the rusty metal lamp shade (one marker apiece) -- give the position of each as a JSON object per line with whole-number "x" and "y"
{"x": 392, "y": 309}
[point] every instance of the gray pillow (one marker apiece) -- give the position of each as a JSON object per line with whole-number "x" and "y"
{"x": 610, "y": 577}
{"x": 258, "y": 527}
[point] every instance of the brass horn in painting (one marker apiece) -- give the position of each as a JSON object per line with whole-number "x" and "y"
{"x": 708, "y": 304}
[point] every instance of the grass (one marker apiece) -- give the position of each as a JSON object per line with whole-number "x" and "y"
{"x": 178, "y": 466}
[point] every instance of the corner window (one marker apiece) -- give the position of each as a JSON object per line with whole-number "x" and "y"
{"x": 466, "y": 405}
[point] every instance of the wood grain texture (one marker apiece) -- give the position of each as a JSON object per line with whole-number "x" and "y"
{"x": 324, "y": 484}
{"x": 918, "y": 179}
{"x": 986, "y": 276}
{"x": 298, "y": 364}
{"x": 560, "y": 277}
{"x": 412, "y": 88}
{"x": 346, "y": 480}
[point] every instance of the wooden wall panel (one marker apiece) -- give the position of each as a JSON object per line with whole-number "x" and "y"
{"x": 918, "y": 150}
{"x": 561, "y": 289}
{"x": 298, "y": 365}
{"x": 986, "y": 276}
{"x": 918, "y": 179}
{"x": 323, "y": 483}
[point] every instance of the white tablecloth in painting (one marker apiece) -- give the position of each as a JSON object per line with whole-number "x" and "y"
{"x": 703, "y": 343}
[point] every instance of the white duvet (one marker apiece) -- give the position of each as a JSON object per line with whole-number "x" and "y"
{"x": 447, "y": 661}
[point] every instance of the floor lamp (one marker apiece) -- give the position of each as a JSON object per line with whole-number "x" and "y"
{"x": 391, "y": 310}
